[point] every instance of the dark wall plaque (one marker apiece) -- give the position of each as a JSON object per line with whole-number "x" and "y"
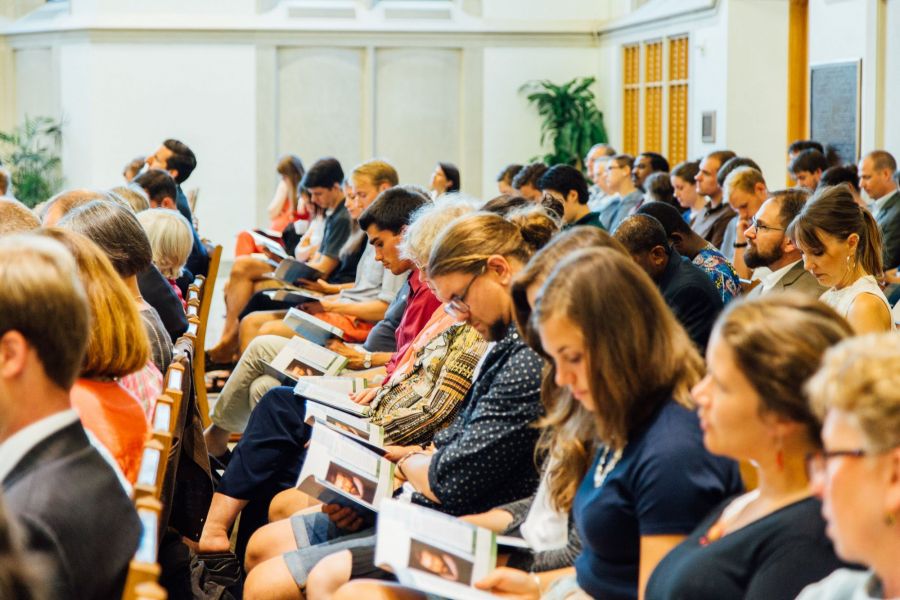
{"x": 834, "y": 107}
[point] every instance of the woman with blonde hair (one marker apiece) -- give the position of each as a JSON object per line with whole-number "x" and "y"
{"x": 857, "y": 473}
{"x": 117, "y": 348}
{"x": 841, "y": 246}
{"x": 171, "y": 241}
{"x": 769, "y": 542}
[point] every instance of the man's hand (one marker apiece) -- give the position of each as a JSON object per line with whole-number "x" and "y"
{"x": 342, "y": 516}
{"x": 312, "y": 308}
{"x": 742, "y": 226}
{"x": 320, "y": 285}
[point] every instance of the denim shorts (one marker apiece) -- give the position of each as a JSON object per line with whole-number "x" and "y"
{"x": 317, "y": 537}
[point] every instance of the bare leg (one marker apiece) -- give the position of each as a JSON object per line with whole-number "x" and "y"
{"x": 222, "y": 513}
{"x": 288, "y": 502}
{"x": 216, "y": 440}
{"x": 239, "y": 289}
{"x": 253, "y": 325}
{"x": 328, "y": 575}
{"x": 271, "y": 580}
{"x": 269, "y": 541}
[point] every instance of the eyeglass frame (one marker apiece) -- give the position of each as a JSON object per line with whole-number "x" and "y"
{"x": 456, "y": 306}
{"x": 820, "y": 459}
{"x": 755, "y": 226}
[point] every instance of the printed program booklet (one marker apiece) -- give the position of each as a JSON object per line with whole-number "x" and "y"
{"x": 311, "y": 328}
{"x": 269, "y": 244}
{"x": 329, "y": 397}
{"x": 433, "y": 552}
{"x": 295, "y": 359}
{"x": 293, "y": 295}
{"x": 357, "y": 429}
{"x": 290, "y": 271}
{"x": 338, "y": 470}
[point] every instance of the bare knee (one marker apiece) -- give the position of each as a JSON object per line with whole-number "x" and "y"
{"x": 271, "y": 580}
{"x": 269, "y": 541}
{"x": 286, "y": 503}
{"x": 329, "y": 574}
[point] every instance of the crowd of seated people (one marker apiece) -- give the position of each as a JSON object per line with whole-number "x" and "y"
{"x": 670, "y": 383}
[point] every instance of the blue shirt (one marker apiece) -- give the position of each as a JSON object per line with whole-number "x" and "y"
{"x": 664, "y": 484}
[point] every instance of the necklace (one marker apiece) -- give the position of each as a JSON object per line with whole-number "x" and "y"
{"x": 605, "y": 465}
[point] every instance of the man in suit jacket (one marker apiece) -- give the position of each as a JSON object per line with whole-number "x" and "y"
{"x": 876, "y": 178}
{"x": 75, "y": 515}
{"x": 770, "y": 247}
{"x": 687, "y": 290}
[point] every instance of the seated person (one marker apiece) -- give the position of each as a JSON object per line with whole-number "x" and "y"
{"x": 117, "y": 347}
{"x": 133, "y": 195}
{"x": 770, "y": 542}
{"x": 700, "y": 252}
{"x": 855, "y": 474}
{"x": 684, "y": 286}
{"x": 54, "y": 483}
{"x": 285, "y": 209}
{"x": 170, "y": 241}
{"x": 323, "y": 180}
{"x": 152, "y": 286}
{"x": 485, "y": 458}
{"x": 637, "y": 482}
{"x": 567, "y": 185}
{"x": 266, "y": 456}
{"x": 550, "y": 533}
{"x": 249, "y": 381}
{"x": 119, "y": 234}
{"x": 353, "y": 308}
{"x": 178, "y": 160}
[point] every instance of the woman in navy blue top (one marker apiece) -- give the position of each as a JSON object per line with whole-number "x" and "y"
{"x": 770, "y": 543}
{"x": 621, "y": 416}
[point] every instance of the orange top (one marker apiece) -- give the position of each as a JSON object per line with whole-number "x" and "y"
{"x": 116, "y": 418}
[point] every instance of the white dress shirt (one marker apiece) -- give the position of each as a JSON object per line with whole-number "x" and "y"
{"x": 772, "y": 278}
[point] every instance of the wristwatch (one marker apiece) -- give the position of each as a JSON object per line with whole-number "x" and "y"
{"x": 367, "y": 361}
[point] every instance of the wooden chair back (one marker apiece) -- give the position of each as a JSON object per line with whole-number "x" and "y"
{"x": 207, "y": 288}
{"x": 144, "y": 567}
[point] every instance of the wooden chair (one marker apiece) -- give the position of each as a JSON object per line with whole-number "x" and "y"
{"x": 207, "y": 287}
{"x": 154, "y": 462}
{"x": 192, "y": 196}
{"x": 144, "y": 567}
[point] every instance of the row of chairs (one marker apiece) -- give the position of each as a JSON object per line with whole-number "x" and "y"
{"x": 174, "y": 484}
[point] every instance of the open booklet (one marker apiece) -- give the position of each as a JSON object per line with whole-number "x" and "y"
{"x": 269, "y": 244}
{"x": 293, "y": 295}
{"x": 433, "y": 552}
{"x": 357, "y": 429}
{"x": 329, "y": 397}
{"x": 300, "y": 355}
{"x": 338, "y": 470}
{"x": 313, "y": 329}
{"x": 290, "y": 270}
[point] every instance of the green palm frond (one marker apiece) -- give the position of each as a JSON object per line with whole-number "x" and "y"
{"x": 31, "y": 153}
{"x": 570, "y": 121}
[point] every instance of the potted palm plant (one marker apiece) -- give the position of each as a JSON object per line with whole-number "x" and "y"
{"x": 570, "y": 119}
{"x": 31, "y": 153}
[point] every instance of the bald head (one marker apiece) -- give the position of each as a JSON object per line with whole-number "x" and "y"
{"x": 16, "y": 218}
{"x": 64, "y": 202}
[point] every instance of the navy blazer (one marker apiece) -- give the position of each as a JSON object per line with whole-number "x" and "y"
{"x": 75, "y": 515}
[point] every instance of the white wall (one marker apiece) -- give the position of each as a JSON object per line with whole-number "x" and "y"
{"x": 892, "y": 78}
{"x": 115, "y": 109}
{"x": 512, "y": 127}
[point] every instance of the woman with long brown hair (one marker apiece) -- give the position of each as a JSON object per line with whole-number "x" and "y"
{"x": 841, "y": 246}
{"x": 623, "y": 361}
{"x": 285, "y": 207}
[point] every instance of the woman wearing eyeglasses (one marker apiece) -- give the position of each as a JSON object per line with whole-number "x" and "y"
{"x": 841, "y": 246}
{"x": 770, "y": 542}
{"x": 857, "y": 474}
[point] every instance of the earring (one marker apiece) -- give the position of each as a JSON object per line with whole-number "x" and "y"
{"x": 890, "y": 520}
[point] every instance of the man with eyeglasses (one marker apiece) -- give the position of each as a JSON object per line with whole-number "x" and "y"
{"x": 778, "y": 262}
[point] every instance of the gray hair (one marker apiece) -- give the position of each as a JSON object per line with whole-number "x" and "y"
{"x": 171, "y": 239}
{"x": 428, "y": 221}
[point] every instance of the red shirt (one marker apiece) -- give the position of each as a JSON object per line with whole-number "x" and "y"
{"x": 419, "y": 307}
